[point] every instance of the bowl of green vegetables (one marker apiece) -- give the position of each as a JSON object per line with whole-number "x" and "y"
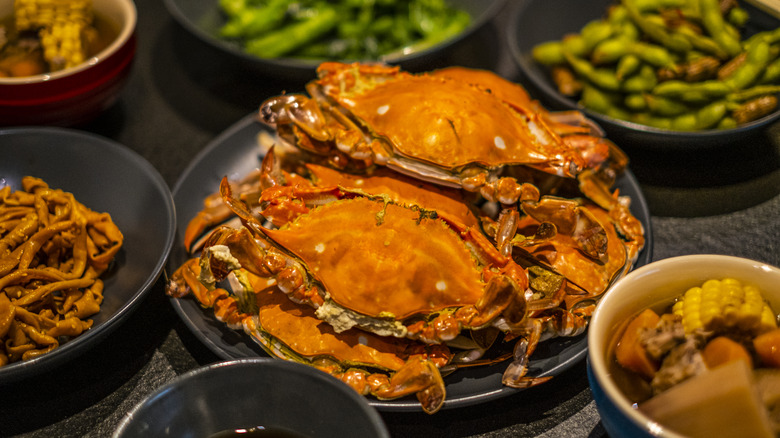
{"x": 287, "y": 39}
{"x": 655, "y": 74}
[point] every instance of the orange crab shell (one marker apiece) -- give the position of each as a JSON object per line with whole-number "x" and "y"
{"x": 406, "y": 367}
{"x": 402, "y": 189}
{"x": 562, "y": 253}
{"x": 383, "y": 260}
{"x": 454, "y": 125}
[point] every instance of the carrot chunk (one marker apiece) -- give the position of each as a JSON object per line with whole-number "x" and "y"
{"x": 722, "y": 350}
{"x": 767, "y": 347}
{"x": 630, "y": 353}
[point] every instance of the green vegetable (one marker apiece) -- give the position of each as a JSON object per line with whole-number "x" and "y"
{"x": 671, "y": 64}
{"x": 340, "y": 29}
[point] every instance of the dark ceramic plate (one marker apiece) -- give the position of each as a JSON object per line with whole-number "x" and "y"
{"x": 203, "y": 18}
{"x": 536, "y": 21}
{"x": 248, "y": 393}
{"x": 234, "y": 154}
{"x": 106, "y": 177}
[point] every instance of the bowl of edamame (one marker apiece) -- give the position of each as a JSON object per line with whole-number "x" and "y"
{"x": 288, "y": 39}
{"x": 663, "y": 74}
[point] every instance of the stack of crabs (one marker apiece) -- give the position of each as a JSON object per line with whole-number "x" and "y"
{"x": 402, "y": 224}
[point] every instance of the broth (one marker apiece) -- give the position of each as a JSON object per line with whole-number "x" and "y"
{"x": 22, "y": 54}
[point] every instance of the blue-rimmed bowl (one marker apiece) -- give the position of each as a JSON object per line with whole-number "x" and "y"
{"x": 650, "y": 285}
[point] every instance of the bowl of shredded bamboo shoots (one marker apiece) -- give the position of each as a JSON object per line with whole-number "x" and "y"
{"x": 85, "y": 228}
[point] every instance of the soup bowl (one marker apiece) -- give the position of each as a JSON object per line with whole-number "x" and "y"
{"x": 649, "y": 286}
{"x": 74, "y": 95}
{"x": 246, "y": 395}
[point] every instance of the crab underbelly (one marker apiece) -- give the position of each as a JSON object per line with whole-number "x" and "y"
{"x": 298, "y": 328}
{"x": 382, "y": 260}
{"x": 592, "y": 275}
{"x": 451, "y": 128}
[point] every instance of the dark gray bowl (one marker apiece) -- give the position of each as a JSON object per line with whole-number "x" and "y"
{"x": 536, "y": 21}
{"x": 248, "y": 393}
{"x": 203, "y": 18}
{"x": 106, "y": 177}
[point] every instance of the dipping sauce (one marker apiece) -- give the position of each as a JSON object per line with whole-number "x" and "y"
{"x": 259, "y": 432}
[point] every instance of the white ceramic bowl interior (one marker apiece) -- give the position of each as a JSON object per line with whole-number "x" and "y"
{"x": 121, "y": 13}
{"x": 655, "y": 283}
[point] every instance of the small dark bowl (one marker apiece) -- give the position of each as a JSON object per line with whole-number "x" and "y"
{"x": 537, "y": 21}
{"x": 250, "y": 393}
{"x": 203, "y": 18}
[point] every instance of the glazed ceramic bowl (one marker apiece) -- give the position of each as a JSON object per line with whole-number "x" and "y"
{"x": 536, "y": 21}
{"x": 281, "y": 396}
{"x": 78, "y": 94}
{"x": 204, "y": 19}
{"x": 650, "y": 285}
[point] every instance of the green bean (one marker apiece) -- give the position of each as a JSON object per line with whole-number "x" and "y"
{"x": 294, "y": 36}
{"x": 233, "y": 7}
{"x": 364, "y": 29}
{"x": 453, "y": 27}
{"x": 716, "y": 26}
{"x": 251, "y": 22}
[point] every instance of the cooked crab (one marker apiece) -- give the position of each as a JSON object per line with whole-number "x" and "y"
{"x": 366, "y": 261}
{"x": 387, "y": 368}
{"x": 458, "y": 134}
{"x": 458, "y": 127}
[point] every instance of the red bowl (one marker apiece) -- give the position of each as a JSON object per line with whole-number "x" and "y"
{"x": 78, "y": 94}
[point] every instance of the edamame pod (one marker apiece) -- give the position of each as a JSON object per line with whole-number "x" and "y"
{"x": 549, "y": 53}
{"x": 601, "y": 77}
{"x": 643, "y": 81}
{"x": 758, "y": 56}
{"x": 716, "y": 26}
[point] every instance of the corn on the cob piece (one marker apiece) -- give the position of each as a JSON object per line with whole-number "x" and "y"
{"x": 725, "y": 304}
{"x": 61, "y": 25}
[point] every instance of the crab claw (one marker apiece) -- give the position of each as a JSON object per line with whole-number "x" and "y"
{"x": 573, "y": 220}
{"x": 515, "y": 374}
{"x": 419, "y": 376}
